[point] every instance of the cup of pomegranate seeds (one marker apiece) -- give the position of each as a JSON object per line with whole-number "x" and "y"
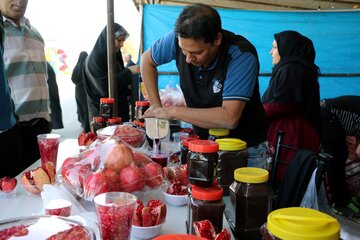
{"x": 115, "y": 211}
{"x": 59, "y": 207}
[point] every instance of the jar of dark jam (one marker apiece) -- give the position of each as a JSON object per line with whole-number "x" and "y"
{"x": 206, "y": 203}
{"x": 106, "y": 107}
{"x": 217, "y": 133}
{"x": 184, "y": 147}
{"x": 300, "y": 223}
{"x": 97, "y": 123}
{"x": 202, "y": 162}
{"x": 250, "y": 202}
{"x": 140, "y": 109}
{"x": 113, "y": 121}
{"x": 232, "y": 155}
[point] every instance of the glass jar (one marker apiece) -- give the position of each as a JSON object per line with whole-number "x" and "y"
{"x": 184, "y": 147}
{"x": 106, "y": 107}
{"x": 300, "y": 223}
{"x": 217, "y": 133}
{"x": 202, "y": 162}
{"x": 140, "y": 109}
{"x": 97, "y": 123}
{"x": 113, "y": 121}
{"x": 206, "y": 203}
{"x": 250, "y": 202}
{"x": 232, "y": 155}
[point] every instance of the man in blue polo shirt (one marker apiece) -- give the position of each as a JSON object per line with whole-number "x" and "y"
{"x": 218, "y": 76}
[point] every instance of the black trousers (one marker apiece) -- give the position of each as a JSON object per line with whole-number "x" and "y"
{"x": 29, "y": 131}
{"x": 333, "y": 142}
{"x": 11, "y": 152}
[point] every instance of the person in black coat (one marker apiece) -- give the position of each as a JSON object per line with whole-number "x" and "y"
{"x": 55, "y": 106}
{"x": 77, "y": 78}
{"x": 96, "y": 74}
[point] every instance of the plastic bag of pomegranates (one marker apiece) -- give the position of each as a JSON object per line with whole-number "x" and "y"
{"x": 111, "y": 165}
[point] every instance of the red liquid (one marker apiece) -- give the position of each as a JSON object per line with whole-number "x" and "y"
{"x": 160, "y": 159}
{"x": 48, "y": 150}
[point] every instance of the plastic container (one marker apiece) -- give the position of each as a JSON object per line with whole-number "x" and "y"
{"x": 206, "y": 203}
{"x": 300, "y": 223}
{"x": 97, "y": 123}
{"x": 232, "y": 155}
{"x": 140, "y": 109}
{"x": 184, "y": 147}
{"x": 250, "y": 202}
{"x": 113, "y": 121}
{"x": 106, "y": 107}
{"x": 217, "y": 133}
{"x": 202, "y": 162}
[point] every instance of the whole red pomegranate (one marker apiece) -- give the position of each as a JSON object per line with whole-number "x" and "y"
{"x": 132, "y": 179}
{"x": 153, "y": 173}
{"x": 94, "y": 184}
{"x": 118, "y": 157}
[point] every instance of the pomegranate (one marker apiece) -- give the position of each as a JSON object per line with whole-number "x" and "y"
{"x": 112, "y": 177}
{"x": 131, "y": 179}
{"x": 177, "y": 188}
{"x": 118, "y": 157}
{"x": 153, "y": 214}
{"x": 137, "y": 218}
{"x": 33, "y": 180}
{"x": 153, "y": 173}
{"x": 140, "y": 159}
{"x": 7, "y": 184}
{"x": 205, "y": 229}
{"x": 94, "y": 184}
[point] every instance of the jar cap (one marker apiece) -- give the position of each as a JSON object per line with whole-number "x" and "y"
{"x": 231, "y": 144}
{"x": 99, "y": 119}
{"x": 142, "y": 103}
{"x": 211, "y": 193}
{"x": 185, "y": 139}
{"x": 303, "y": 223}
{"x": 219, "y": 132}
{"x": 251, "y": 175}
{"x": 107, "y": 100}
{"x": 203, "y": 146}
{"x": 114, "y": 120}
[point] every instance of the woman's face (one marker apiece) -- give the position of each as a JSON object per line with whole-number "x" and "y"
{"x": 119, "y": 42}
{"x": 274, "y": 52}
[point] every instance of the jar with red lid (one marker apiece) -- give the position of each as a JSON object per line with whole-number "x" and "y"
{"x": 206, "y": 203}
{"x": 106, "y": 107}
{"x": 140, "y": 109}
{"x": 184, "y": 147}
{"x": 113, "y": 121}
{"x": 202, "y": 162}
{"x": 97, "y": 123}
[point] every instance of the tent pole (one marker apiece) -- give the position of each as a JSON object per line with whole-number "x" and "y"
{"x": 111, "y": 55}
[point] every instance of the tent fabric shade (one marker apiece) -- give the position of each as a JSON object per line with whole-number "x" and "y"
{"x": 335, "y": 35}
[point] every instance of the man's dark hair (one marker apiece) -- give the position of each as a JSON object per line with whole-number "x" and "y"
{"x": 198, "y": 21}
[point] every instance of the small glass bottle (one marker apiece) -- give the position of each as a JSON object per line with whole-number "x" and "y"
{"x": 232, "y": 155}
{"x": 217, "y": 133}
{"x": 202, "y": 162}
{"x": 250, "y": 202}
{"x": 140, "y": 109}
{"x": 106, "y": 107}
{"x": 97, "y": 123}
{"x": 113, "y": 121}
{"x": 206, "y": 203}
{"x": 184, "y": 147}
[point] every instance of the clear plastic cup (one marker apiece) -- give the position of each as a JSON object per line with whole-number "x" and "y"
{"x": 115, "y": 211}
{"x": 48, "y": 147}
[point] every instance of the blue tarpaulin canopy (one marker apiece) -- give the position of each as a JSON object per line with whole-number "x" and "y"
{"x": 335, "y": 34}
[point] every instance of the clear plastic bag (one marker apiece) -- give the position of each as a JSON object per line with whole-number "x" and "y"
{"x": 310, "y": 199}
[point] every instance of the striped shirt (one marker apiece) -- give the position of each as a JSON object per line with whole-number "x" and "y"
{"x": 25, "y": 63}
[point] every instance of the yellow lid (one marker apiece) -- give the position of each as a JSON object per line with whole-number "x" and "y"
{"x": 296, "y": 223}
{"x": 231, "y": 144}
{"x": 220, "y": 132}
{"x": 251, "y": 175}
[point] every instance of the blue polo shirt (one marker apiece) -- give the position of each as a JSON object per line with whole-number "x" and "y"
{"x": 233, "y": 75}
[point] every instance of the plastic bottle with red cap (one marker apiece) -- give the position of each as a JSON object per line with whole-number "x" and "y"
{"x": 202, "y": 162}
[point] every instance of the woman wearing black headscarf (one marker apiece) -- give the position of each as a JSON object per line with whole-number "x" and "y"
{"x": 96, "y": 69}
{"x": 292, "y": 99}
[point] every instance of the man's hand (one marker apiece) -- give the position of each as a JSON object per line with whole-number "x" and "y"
{"x": 157, "y": 111}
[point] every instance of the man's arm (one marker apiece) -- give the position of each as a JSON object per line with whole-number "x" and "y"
{"x": 149, "y": 75}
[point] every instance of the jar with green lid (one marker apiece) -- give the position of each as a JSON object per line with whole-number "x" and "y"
{"x": 217, "y": 133}
{"x": 300, "y": 223}
{"x": 202, "y": 162}
{"x": 250, "y": 202}
{"x": 206, "y": 203}
{"x": 232, "y": 155}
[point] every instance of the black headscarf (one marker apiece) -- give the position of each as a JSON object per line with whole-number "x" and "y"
{"x": 294, "y": 79}
{"x": 96, "y": 82}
